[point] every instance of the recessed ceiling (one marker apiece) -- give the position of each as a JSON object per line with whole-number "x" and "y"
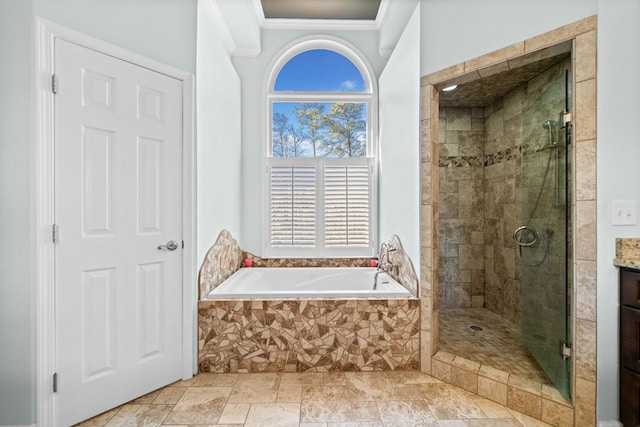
{"x": 321, "y": 9}
{"x": 480, "y": 92}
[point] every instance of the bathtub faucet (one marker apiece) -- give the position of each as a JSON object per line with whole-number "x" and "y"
{"x": 384, "y": 262}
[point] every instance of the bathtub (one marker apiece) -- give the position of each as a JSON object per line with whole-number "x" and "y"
{"x": 312, "y": 282}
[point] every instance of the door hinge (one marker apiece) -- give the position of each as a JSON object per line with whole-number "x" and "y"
{"x": 565, "y": 350}
{"x": 55, "y": 382}
{"x": 54, "y": 233}
{"x": 565, "y": 118}
{"x": 54, "y": 83}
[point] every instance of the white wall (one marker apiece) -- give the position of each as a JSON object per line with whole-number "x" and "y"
{"x": 454, "y": 31}
{"x": 253, "y": 74}
{"x": 399, "y": 183}
{"x": 164, "y": 30}
{"x": 617, "y": 163}
{"x": 219, "y": 138}
{"x": 17, "y": 319}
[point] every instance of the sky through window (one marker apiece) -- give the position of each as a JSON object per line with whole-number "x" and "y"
{"x": 319, "y": 129}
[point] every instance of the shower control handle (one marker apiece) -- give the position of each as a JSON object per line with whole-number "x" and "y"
{"x": 171, "y": 245}
{"x": 523, "y": 230}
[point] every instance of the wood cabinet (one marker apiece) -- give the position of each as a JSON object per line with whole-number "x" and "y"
{"x": 629, "y": 347}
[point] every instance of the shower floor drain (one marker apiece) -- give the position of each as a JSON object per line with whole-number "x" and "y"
{"x": 476, "y": 328}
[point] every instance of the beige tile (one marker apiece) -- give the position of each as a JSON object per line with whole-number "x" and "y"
{"x": 405, "y": 413}
{"x": 466, "y": 364}
{"x": 499, "y": 55}
{"x": 441, "y": 370}
{"x": 556, "y": 414}
{"x": 550, "y": 392}
{"x": 585, "y": 403}
{"x": 493, "y": 390}
{"x": 494, "y": 374}
{"x": 586, "y": 292}
{"x": 464, "y": 379}
{"x": 586, "y": 65}
{"x": 310, "y": 378}
{"x": 101, "y": 419}
{"x": 525, "y": 402}
{"x": 147, "y": 398}
{"x": 255, "y": 388}
{"x": 169, "y": 396}
{"x": 334, "y": 378}
{"x": 454, "y": 408}
{"x": 234, "y": 413}
{"x": 451, "y": 423}
{"x": 271, "y": 414}
{"x": 290, "y": 393}
{"x": 563, "y": 33}
{"x": 585, "y": 120}
{"x": 199, "y": 405}
{"x": 140, "y": 415}
{"x": 443, "y": 356}
{"x": 357, "y": 424}
{"x": 313, "y": 425}
{"x": 532, "y": 387}
{"x": 493, "y": 409}
{"x": 585, "y": 349}
{"x": 330, "y": 392}
{"x": 586, "y": 230}
{"x": 505, "y": 422}
{"x": 528, "y": 421}
{"x": 201, "y": 380}
{"x": 444, "y": 74}
{"x": 335, "y": 411}
{"x": 585, "y": 169}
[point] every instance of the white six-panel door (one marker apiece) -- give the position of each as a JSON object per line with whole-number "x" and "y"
{"x": 118, "y": 203}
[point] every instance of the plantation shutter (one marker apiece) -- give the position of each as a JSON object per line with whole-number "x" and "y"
{"x": 347, "y": 203}
{"x": 320, "y": 207}
{"x": 293, "y": 205}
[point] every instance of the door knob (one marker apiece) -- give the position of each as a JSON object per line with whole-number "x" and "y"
{"x": 171, "y": 245}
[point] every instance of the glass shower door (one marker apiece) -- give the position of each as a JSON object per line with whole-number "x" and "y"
{"x": 543, "y": 237}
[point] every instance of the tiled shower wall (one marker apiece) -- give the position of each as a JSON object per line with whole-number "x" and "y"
{"x": 462, "y": 240}
{"x": 503, "y": 388}
{"x": 481, "y": 191}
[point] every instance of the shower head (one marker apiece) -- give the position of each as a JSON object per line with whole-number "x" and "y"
{"x": 549, "y": 124}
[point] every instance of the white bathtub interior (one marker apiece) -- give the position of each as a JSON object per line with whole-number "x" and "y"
{"x": 308, "y": 282}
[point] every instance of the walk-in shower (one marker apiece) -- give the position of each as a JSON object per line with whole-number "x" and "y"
{"x": 504, "y": 268}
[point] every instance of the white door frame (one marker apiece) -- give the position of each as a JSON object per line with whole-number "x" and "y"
{"x": 46, "y": 33}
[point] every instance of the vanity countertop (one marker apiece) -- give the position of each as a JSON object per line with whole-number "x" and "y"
{"x": 627, "y": 253}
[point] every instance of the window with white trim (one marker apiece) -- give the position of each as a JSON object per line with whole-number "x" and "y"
{"x": 321, "y": 174}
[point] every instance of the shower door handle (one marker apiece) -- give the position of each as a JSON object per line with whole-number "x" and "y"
{"x": 171, "y": 245}
{"x": 522, "y": 231}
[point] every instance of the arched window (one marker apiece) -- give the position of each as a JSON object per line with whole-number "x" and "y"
{"x": 321, "y": 153}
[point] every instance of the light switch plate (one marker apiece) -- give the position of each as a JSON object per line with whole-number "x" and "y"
{"x": 623, "y": 212}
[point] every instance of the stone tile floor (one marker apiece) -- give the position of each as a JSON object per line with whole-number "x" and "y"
{"x": 400, "y": 398}
{"x": 498, "y": 344}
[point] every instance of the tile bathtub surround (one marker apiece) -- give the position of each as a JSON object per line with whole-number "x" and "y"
{"x": 397, "y": 398}
{"x": 583, "y": 36}
{"x": 307, "y": 262}
{"x": 223, "y": 259}
{"x": 406, "y": 275}
{"x": 308, "y": 335}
